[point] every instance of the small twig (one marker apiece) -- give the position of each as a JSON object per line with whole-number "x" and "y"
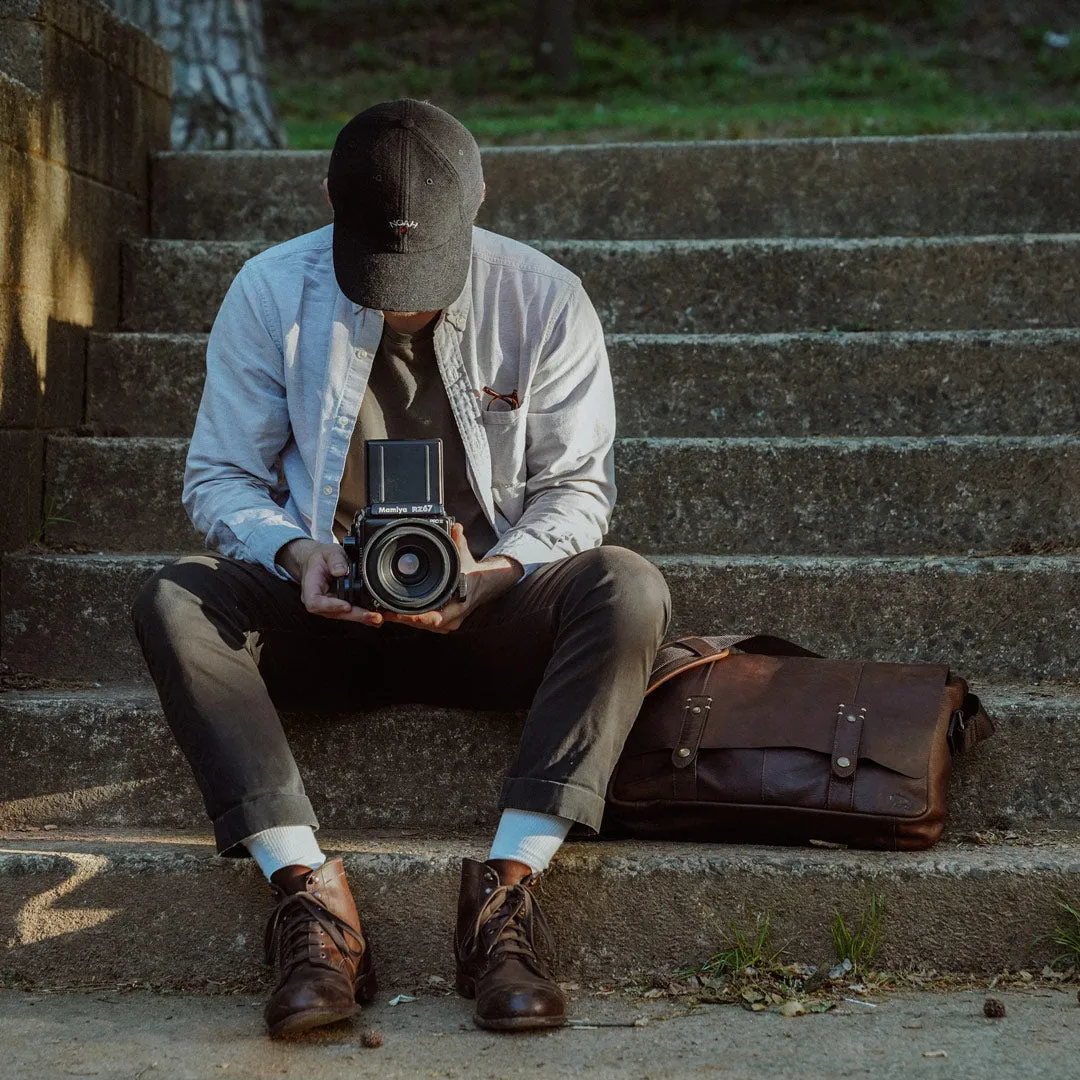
{"x": 640, "y": 1022}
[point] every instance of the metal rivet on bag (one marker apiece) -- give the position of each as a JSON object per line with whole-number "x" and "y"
{"x": 696, "y": 709}
{"x": 852, "y": 718}
{"x": 843, "y": 762}
{"x": 684, "y": 751}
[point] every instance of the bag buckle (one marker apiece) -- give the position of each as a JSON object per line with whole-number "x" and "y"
{"x": 955, "y": 735}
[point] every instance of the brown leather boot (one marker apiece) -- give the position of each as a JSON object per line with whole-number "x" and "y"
{"x": 503, "y": 950}
{"x": 313, "y": 937}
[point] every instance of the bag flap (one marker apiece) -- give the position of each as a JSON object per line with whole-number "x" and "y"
{"x": 796, "y": 702}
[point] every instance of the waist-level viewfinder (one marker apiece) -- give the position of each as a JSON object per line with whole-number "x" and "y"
{"x": 401, "y": 556}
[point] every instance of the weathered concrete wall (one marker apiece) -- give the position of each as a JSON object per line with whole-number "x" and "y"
{"x": 84, "y": 97}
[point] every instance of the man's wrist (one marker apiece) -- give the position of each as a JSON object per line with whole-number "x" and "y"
{"x": 292, "y": 556}
{"x": 493, "y": 576}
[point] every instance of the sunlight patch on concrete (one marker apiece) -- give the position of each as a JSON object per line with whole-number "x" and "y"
{"x": 41, "y": 918}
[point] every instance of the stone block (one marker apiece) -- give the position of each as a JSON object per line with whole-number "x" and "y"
{"x": 20, "y": 119}
{"x": 43, "y": 364}
{"x": 22, "y": 51}
{"x": 615, "y": 908}
{"x": 892, "y": 496}
{"x": 64, "y": 233}
{"x": 106, "y": 759}
{"x": 997, "y": 382}
{"x": 22, "y": 453}
{"x": 715, "y": 286}
{"x": 1001, "y": 618}
{"x": 973, "y": 185}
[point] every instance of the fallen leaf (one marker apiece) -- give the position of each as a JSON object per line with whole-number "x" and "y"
{"x": 401, "y": 999}
{"x": 758, "y": 1006}
{"x": 792, "y": 1008}
{"x": 752, "y": 995}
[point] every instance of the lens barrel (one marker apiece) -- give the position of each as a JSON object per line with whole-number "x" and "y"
{"x": 410, "y": 566}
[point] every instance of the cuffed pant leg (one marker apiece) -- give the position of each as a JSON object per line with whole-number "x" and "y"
{"x": 575, "y": 641}
{"x": 203, "y": 623}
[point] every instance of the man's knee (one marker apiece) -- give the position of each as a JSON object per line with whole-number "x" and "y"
{"x": 628, "y": 582}
{"x": 173, "y": 592}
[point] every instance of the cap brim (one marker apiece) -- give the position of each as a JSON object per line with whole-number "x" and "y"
{"x": 401, "y": 281}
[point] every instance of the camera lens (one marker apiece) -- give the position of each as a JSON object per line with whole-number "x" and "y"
{"x": 411, "y": 566}
{"x": 408, "y": 565}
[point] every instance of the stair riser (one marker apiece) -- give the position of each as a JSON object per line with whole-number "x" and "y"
{"x": 613, "y": 909}
{"x": 804, "y": 187}
{"x": 897, "y": 498}
{"x": 1010, "y": 383}
{"x": 998, "y": 619}
{"x": 740, "y": 287}
{"x": 81, "y": 761}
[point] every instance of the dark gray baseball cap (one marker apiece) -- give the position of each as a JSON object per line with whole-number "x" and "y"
{"x": 406, "y": 183}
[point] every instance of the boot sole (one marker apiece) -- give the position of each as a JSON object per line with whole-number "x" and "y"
{"x": 311, "y": 1018}
{"x": 520, "y": 1023}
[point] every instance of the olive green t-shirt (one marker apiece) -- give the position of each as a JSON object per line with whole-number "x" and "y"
{"x": 406, "y": 399}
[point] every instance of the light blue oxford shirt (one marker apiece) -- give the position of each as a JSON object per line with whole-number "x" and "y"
{"x": 287, "y": 365}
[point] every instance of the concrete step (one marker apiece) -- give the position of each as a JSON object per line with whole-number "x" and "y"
{"x": 1001, "y": 619}
{"x": 1011, "y": 382}
{"x": 925, "y": 186}
{"x": 836, "y": 496}
{"x": 162, "y": 910}
{"x": 708, "y": 286}
{"x": 106, "y": 758}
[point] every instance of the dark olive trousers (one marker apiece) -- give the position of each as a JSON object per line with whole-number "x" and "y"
{"x": 228, "y": 643}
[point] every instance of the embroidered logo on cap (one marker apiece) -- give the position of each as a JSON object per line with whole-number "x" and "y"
{"x": 402, "y": 227}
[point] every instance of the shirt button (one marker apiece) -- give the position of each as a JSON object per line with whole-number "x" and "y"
{"x": 342, "y": 421}
{"x": 361, "y": 354}
{"x": 327, "y": 489}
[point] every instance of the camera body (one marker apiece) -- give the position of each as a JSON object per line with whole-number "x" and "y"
{"x": 401, "y": 555}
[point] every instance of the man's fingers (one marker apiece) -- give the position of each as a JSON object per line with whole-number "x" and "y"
{"x": 457, "y": 534}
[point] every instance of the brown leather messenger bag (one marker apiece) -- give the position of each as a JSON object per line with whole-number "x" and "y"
{"x": 757, "y": 740}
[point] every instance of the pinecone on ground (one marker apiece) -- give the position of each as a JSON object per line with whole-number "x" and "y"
{"x": 994, "y": 1008}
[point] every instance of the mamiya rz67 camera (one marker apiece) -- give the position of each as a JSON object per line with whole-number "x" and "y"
{"x": 401, "y": 556}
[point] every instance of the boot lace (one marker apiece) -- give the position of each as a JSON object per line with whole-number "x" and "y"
{"x": 507, "y": 926}
{"x": 289, "y": 927}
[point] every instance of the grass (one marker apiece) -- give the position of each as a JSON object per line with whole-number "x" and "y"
{"x": 1066, "y": 935}
{"x": 859, "y": 943}
{"x": 906, "y": 69}
{"x": 49, "y": 520}
{"x": 746, "y": 944}
{"x": 568, "y": 121}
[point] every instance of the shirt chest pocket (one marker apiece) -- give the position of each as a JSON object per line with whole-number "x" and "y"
{"x": 505, "y": 430}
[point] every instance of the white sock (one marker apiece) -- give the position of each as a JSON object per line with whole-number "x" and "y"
{"x": 529, "y": 838}
{"x": 285, "y": 845}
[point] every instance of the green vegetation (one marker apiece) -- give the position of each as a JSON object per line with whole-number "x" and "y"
{"x": 859, "y": 943}
{"x": 1066, "y": 935}
{"x": 49, "y": 520}
{"x": 745, "y": 944}
{"x": 679, "y": 70}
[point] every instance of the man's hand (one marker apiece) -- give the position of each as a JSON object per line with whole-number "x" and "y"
{"x": 484, "y": 581}
{"x": 317, "y": 566}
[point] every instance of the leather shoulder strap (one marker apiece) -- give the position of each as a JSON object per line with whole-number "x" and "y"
{"x": 686, "y": 653}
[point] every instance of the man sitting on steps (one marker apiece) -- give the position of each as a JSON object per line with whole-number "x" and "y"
{"x": 391, "y": 323}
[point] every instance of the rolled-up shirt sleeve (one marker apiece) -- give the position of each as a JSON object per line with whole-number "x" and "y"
{"x": 241, "y": 429}
{"x": 570, "y": 432}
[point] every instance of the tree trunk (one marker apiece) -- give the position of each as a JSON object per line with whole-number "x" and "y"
{"x": 553, "y": 48}
{"x": 220, "y": 100}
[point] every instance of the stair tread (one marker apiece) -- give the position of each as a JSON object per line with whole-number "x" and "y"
{"x": 956, "y": 856}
